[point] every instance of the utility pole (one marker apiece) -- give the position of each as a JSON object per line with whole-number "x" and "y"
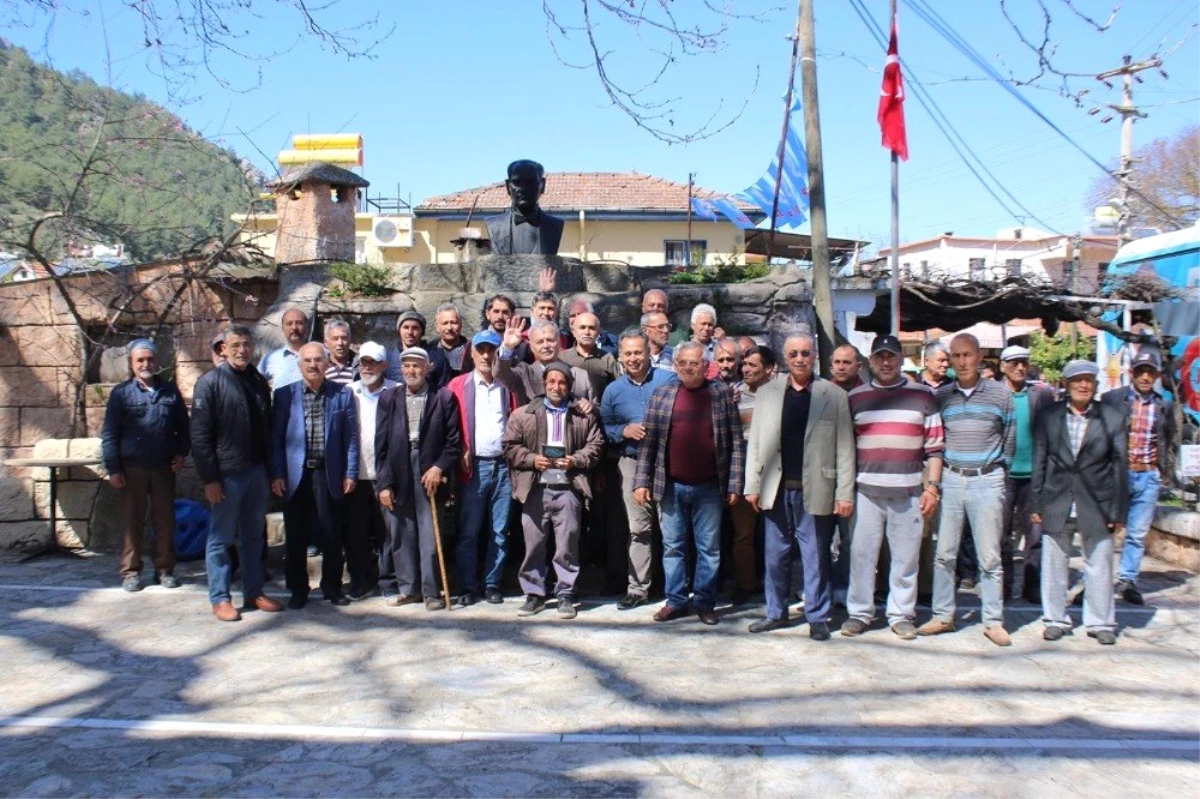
{"x": 822, "y": 294}
{"x": 1129, "y": 113}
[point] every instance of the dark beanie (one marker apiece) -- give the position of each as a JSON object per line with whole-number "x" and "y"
{"x": 561, "y": 368}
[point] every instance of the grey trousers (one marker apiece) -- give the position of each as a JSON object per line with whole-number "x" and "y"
{"x": 978, "y": 500}
{"x": 900, "y": 520}
{"x": 1099, "y": 612}
{"x": 550, "y": 512}
{"x": 409, "y": 552}
{"x": 642, "y": 520}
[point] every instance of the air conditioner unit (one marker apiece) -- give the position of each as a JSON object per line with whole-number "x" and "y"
{"x": 392, "y": 231}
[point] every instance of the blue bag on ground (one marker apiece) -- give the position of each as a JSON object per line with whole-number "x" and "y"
{"x": 191, "y": 529}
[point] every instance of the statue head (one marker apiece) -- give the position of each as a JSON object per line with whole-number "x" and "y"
{"x": 525, "y": 184}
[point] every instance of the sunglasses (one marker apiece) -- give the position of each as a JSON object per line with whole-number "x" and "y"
{"x": 800, "y": 354}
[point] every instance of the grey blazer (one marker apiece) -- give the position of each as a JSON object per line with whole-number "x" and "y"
{"x": 828, "y": 447}
{"x": 1096, "y": 480}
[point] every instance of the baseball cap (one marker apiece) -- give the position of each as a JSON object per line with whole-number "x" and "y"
{"x": 374, "y": 351}
{"x": 1147, "y": 356}
{"x": 1080, "y": 368}
{"x": 1014, "y": 353}
{"x": 415, "y": 352}
{"x": 886, "y": 344}
{"x": 489, "y": 337}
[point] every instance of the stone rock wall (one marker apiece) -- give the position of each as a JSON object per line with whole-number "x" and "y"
{"x": 46, "y": 397}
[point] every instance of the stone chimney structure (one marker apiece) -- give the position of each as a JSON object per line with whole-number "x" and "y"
{"x": 315, "y": 205}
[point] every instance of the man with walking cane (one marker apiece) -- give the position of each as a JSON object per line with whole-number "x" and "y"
{"x": 417, "y": 444}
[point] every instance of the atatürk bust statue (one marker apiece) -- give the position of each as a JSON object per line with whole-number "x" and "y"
{"x": 524, "y": 229}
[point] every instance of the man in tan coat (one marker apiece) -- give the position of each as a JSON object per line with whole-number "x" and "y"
{"x": 800, "y": 472}
{"x": 551, "y": 445}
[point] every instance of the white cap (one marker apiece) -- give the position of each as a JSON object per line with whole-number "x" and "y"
{"x": 374, "y": 351}
{"x": 1014, "y": 353}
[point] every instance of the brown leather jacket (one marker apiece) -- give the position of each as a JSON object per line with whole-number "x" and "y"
{"x": 526, "y": 433}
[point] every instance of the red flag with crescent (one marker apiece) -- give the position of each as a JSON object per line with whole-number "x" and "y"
{"x": 891, "y": 102}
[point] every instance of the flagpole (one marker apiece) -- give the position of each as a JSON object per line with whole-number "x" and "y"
{"x": 687, "y": 257}
{"x": 787, "y": 115}
{"x": 895, "y": 305}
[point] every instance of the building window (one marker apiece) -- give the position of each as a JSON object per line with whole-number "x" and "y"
{"x": 1012, "y": 267}
{"x": 675, "y": 252}
{"x": 977, "y": 270}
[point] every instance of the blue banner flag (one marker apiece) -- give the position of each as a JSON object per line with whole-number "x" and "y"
{"x": 734, "y": 214}
{"x": 704, "y": 209}
{"x": 793, "y": 186}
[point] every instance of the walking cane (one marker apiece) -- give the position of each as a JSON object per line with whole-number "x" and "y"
{"x": 437, "y": 540}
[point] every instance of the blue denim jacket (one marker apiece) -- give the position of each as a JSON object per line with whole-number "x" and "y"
{"x": 144, "y": 429}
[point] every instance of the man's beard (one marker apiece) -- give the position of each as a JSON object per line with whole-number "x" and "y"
{"x": 370, "y": 380}
{"x": 147, "y": 374}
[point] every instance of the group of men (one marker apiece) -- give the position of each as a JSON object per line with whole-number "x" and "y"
{"x": 367, "y": 450}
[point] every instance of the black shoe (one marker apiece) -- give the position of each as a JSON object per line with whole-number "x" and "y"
{"x": 533, "y": 604}
{"x": 767, "y": 625}
{"x": 818, "y": 630}
{"x": 168, "y": 580}
{"x": 1128, "y": 591}
{"x": 297, "y": 601}
{"x": 465, "y": 600}
{"x": 1103, "y": 637}
{"x": 1033, "y": 597}
{"x": 339, "y": 599}
{"x": 631, "y": 601}
{"x": 359, "y": 594}
{"x": 435, "y": 604}
{"x": 1053, "y": 633}
{"x": 132, "y": 584}
{"x": 493, "y": 596}
{"x": 566, "y": 607}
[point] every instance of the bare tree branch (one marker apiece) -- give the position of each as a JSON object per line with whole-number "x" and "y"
{"x": 661, "y": 31}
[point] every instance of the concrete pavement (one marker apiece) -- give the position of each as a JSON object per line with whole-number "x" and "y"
{"x": 106, "y": 693}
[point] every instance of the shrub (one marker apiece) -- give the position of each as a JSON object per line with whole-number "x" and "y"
{"x": 365, "y": 280}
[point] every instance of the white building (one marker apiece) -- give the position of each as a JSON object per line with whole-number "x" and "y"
{"x": 1075, "y": 264}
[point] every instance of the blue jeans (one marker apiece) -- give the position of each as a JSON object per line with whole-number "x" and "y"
{"x": 980, "y": 501}
{"x": 691, "y": 516}
{"x": 485, "y": 499}
{"x": 1143, "y": 500}
{"x": 240, "y": 517}
{"x": 788, "y": 528}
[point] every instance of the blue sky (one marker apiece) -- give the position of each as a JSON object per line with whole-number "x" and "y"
{"x": 463, "y": 86}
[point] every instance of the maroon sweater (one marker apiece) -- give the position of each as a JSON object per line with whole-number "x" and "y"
{"x": 691, "y": 449}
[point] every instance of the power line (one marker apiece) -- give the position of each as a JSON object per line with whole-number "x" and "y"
{"x": 931, "y": 18}
{"x": 951, "y": 133}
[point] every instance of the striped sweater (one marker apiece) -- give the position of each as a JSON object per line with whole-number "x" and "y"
{"x": 981, "y": 428}
{"x": 898, "y": 427}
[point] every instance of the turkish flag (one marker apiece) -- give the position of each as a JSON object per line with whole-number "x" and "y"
{"x": 891, "y": 102}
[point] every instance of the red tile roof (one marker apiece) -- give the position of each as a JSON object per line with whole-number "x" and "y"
{"x": 589, "y": 191}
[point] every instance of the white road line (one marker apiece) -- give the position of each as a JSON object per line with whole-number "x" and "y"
{"x": 312, "y": 732}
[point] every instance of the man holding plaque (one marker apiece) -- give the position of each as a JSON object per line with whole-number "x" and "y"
{"x": 551, "y": 445}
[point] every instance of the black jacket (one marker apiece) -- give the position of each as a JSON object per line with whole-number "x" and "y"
{"x": 144, "y": 429}
{"x": 440, "y": 442}
{"x": 1164, "y": 424}
{"x": 1096, "y": 480}
{"x": 229, "y": 432}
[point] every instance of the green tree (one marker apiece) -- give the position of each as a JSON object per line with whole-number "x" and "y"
{"x": 1051, "y": 353}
